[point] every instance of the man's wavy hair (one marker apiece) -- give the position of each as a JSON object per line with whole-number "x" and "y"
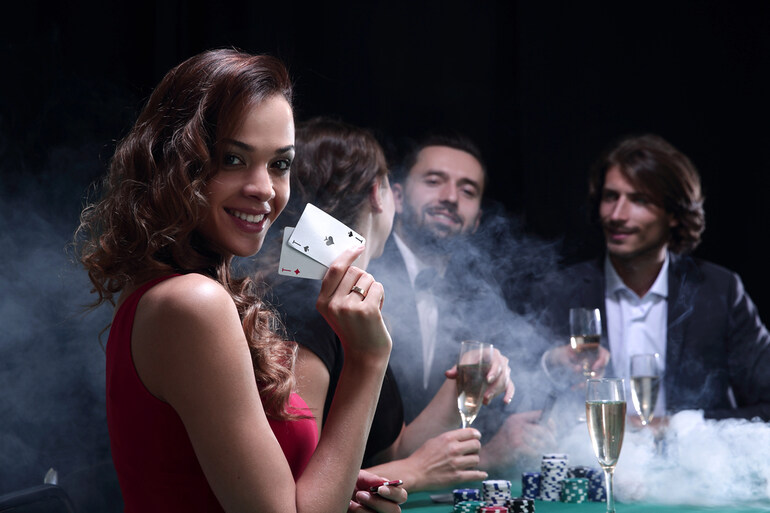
{"x": 152, "y": 199}
{"x": 661, "y": 171}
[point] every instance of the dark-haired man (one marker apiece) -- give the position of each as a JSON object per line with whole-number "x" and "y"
{"x": 433, "y": 301}
{"x": 655, "y": 298}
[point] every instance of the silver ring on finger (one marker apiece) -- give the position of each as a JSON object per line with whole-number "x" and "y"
{"x": 358, "y": 290}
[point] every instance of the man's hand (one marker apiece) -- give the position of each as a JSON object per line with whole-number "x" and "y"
{"x": 558, "y": 360}
{"x": 498, "y": 379}
{"x": 521, "y": 436}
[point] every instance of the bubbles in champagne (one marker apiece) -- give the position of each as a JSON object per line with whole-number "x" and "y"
{"x": 606, "y": 426}
{"x": 644, "y": 393}
{"x": 471, "y": 385}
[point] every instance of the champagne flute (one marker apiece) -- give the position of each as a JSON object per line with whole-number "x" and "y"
{"x": 645, "y": 384}
{"x": 473, "y": 365}
{"x": 606, "y": 419}
{"x": 585, "y": 334}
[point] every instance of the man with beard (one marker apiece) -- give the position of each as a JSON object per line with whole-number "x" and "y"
{"x": 438, "y": 203}
{"x": 656, "y": 298}
{"x": 433, "y": 301}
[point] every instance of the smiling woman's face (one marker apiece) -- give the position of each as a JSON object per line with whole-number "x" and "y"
{"x": 251, "y": 186}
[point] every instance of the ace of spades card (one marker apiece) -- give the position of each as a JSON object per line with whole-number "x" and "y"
{"x": 322, "y": 237}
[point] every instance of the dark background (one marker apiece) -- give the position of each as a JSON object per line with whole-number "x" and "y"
{"x": 542, "y": 86}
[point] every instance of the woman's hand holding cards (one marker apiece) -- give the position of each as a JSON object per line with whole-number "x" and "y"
{"x": 350, "y": 300}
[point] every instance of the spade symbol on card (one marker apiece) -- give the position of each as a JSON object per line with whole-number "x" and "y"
{"x": 324, "y": 237}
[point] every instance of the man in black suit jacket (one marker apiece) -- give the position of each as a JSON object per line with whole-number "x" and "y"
{"x": 646, "y": 196}
{"x": 433, "y": 300}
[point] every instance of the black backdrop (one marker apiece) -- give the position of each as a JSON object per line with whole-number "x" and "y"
{"x": 542, "y": 86}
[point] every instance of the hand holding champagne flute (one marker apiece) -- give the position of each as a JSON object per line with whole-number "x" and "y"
{"x": 585, "y": 335}
{"x": 606, "y": 419}
{"x": 473, "y": 365}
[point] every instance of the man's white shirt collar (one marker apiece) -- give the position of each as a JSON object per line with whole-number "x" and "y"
{"x": 614, "y": 285}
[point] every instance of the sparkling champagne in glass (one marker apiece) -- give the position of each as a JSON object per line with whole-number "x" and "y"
{"x": 473, "y": 365}
{"x": 606, "y": 419}
{"x": 645, "y": 384}
{"x": 585, "y": 335}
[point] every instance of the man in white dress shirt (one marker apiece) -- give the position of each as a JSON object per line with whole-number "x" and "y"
{"x": 713, "y": 349}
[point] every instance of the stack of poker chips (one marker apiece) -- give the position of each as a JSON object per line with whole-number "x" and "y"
{"x": 596, "y": 491}
{"x": 553, "y": 470}
{"x": 494, "y": 492}
{"x": 530, "y": 485}
{"x": 466, "y": 494}
{"x": 521, "y": 505}
{"x": 574, "y": 490}
{"x": 467, "y": 506}
{"x": 493, "y": 509}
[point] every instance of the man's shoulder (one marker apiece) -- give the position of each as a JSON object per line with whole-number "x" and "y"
{"x": 701, "y": 271}
{"x": 391, "y": 261}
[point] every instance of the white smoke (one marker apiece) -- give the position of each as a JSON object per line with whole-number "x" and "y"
{"x": 703, "y": 462}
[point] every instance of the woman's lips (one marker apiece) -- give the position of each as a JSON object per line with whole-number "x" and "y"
{"x": 252, "y": 223}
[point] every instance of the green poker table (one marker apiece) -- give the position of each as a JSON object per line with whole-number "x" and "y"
{"x": 421, "y": 502}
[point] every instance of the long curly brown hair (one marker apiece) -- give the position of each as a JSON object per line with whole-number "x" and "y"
{"x": 145, "y": 223}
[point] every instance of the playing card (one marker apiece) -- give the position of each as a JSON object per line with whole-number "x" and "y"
{"x": 296, "y": 264}
{"x": 321, "y": 237}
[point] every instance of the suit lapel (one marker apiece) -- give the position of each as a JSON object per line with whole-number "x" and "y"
{"x": 681, "y": 293}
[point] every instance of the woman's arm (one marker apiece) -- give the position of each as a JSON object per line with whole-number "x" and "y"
{"x": 190, "y": 351}
{"x": 312, "y": 382}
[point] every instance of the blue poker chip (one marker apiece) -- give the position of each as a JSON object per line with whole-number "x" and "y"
{"x": 530, "y": 484}
{"x": 578, "y": 471}
{"x": 465, "y": 494}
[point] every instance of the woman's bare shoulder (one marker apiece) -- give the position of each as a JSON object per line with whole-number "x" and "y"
{"x": 191, "y": 304}
{"x": 189, "y": 294}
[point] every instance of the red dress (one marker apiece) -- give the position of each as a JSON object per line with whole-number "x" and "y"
{"x": 153, "y": 456}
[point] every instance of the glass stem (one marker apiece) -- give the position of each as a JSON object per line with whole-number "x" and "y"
{"x": 610, "y": 491}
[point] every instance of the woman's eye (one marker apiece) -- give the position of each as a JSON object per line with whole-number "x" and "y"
{"x": 232, "y": 160}
{"x": 282, "y": 165}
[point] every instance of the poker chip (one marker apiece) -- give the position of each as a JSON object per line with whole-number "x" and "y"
{"x": 596, "y": 490}
{"x": 521, "y": 505}
{"x": 574, "y": 490}
{"x": 495, "y": 491}
{"x": 553, "y": 470}
{"x": 530, "y": 484}
{"x": 555, "y": 456}
{"x": 493, "y": 509}
{"x": 578, "y": 471}
{"x": 466, "y": 494}
{"x": 468, "y": 506}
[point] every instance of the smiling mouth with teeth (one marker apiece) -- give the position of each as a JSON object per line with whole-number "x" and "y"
{"x": 247, "y": 217}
